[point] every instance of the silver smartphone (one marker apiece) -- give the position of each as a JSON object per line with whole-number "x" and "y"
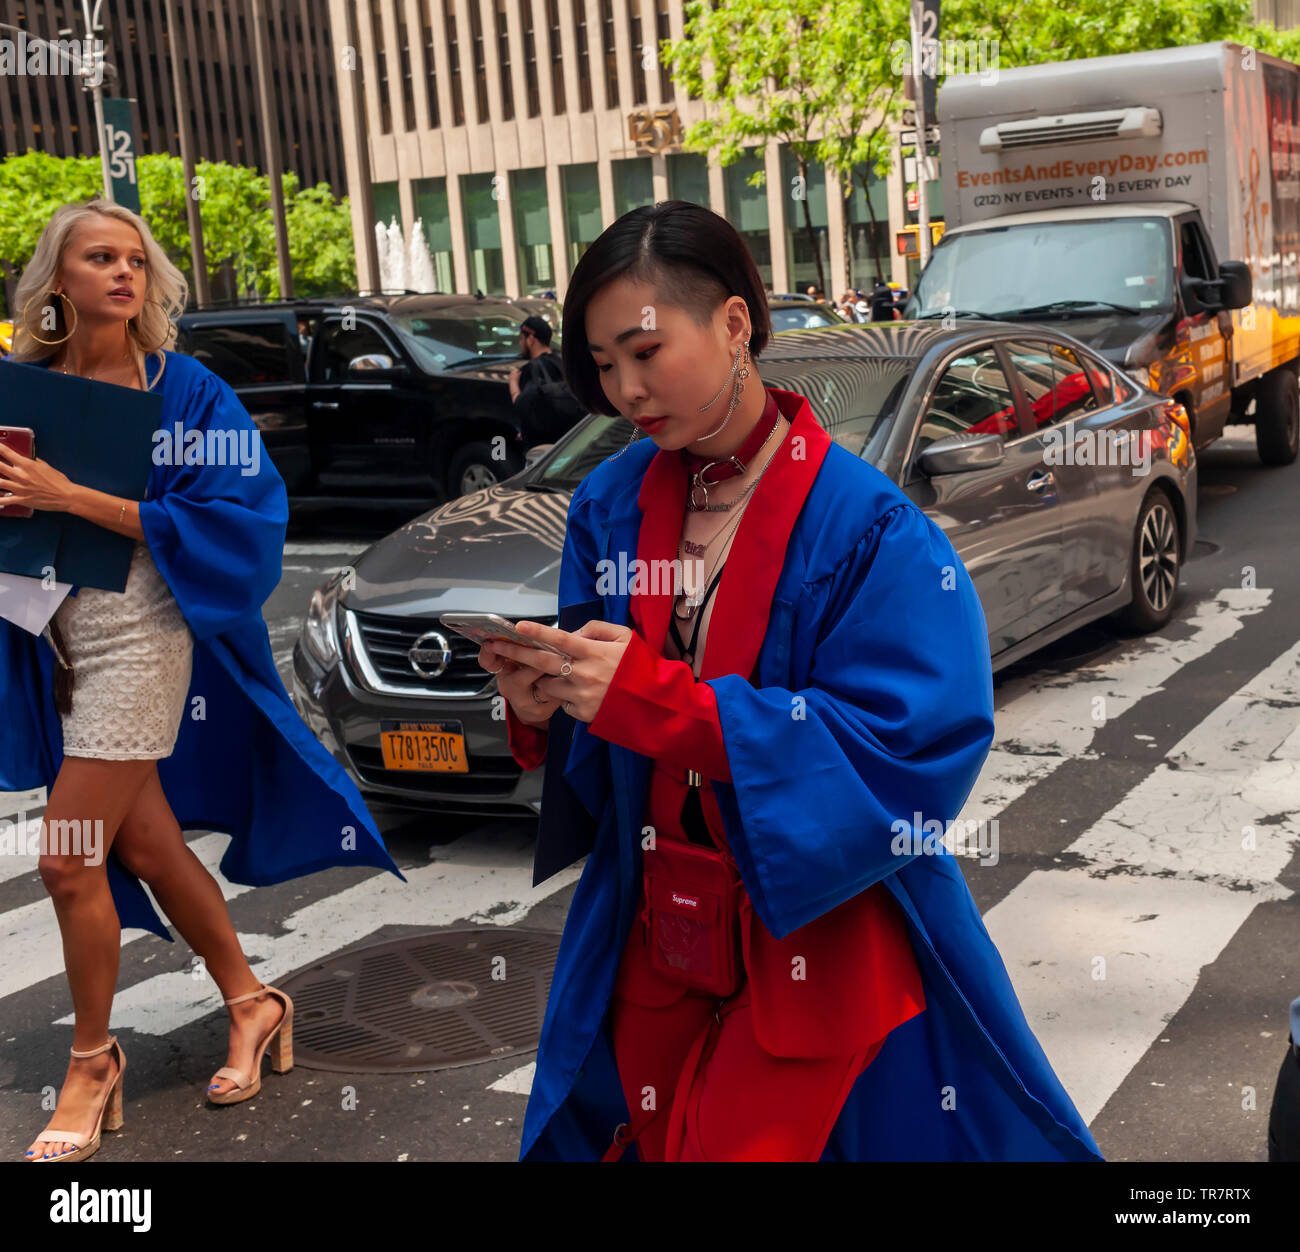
{"x": 486, "y": 627}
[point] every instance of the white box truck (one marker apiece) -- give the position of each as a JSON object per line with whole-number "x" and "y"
{"x": 1106, "y": 196}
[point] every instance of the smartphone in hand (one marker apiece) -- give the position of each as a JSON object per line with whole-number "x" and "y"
{"x": 487, "y": 627}
{"x": 22, "y": 439}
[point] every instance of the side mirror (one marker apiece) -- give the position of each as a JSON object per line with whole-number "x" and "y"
{"x": 954, "y": 454}
{"x": 1234, "y": 284}
{"x": 536, "y": 451}
{"x": 373, "y": 362}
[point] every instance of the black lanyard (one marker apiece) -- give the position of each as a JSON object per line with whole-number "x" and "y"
{"x": 688, "y": 650}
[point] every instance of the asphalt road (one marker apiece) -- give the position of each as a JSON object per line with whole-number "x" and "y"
{"x": 1120, "y": 838}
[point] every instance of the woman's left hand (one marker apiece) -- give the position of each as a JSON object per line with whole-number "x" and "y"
{"x": 33, "y": 483}
{"x": 594, "y": 654}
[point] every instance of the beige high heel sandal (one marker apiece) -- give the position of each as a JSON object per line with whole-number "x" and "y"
{"x": 281, "y": 1038}
{"x": 110, "y": 1113}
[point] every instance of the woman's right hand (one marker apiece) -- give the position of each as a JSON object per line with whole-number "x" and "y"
{"x": 515, "y": 682}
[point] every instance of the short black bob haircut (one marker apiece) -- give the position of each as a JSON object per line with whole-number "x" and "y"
{"x": 694, "y": 259}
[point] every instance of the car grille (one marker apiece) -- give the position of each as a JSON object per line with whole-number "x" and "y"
{"x": 386, "y": 641}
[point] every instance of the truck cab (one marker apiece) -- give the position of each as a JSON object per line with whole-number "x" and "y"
{"x": 1130, "y": 282}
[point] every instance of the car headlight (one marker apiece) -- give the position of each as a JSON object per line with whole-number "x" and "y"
{"x": 320, "y": 633}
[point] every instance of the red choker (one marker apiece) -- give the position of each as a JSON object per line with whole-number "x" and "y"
{"x": 728, "y": 466}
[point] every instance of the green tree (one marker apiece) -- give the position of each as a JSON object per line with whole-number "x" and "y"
{"x": 234, "y": 207}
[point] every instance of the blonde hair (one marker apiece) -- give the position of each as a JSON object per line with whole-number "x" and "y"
{"x": 153, "y": 329}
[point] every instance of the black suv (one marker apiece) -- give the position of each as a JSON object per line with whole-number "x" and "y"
{"x": 398, "y": 398}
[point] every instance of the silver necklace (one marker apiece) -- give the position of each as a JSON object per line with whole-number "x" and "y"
{"x": 693, "y": 603}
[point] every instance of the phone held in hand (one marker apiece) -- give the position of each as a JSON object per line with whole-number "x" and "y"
{"x": 487, "y": 627}
{"x": 22, "y": 439}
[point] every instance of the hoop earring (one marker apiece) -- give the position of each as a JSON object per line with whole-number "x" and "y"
{"x": 51, "y": 342}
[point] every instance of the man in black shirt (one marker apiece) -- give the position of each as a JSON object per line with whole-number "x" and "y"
{"x": 543, "y": 415}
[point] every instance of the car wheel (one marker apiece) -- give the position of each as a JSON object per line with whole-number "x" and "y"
{"x": 473, "y": 467}
{"x": 1277, "y": 417}
{"x": 1153, "y": 566}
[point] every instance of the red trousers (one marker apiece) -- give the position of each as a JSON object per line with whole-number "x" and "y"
{"x": 698, "y": 1085}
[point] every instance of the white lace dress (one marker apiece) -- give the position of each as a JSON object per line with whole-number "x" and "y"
{"x": 131, "y": 653}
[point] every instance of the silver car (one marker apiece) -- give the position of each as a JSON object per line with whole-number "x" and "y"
{"x": 1067, "y": 488}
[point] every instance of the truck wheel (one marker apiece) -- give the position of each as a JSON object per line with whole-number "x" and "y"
{"x": 1277, "y": 417}
{"x": 473, "y": 467}
{"x": 1153, "y": 566}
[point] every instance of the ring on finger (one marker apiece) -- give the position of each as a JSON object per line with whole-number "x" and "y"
{"x": 566, "y": 669}
{"x": 539, "y": 699}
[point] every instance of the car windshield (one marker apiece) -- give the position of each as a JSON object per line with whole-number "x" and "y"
{"x": 1079, "y": 267}
{"x": 450, "y": 337}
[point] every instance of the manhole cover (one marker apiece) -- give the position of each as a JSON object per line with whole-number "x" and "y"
{"x": 433, "y": 1001}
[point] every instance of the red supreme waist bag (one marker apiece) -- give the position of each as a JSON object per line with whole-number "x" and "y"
{"x": 692, "y": 914}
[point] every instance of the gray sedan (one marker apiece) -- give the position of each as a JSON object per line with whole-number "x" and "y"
{"x": 1067, "y": 489}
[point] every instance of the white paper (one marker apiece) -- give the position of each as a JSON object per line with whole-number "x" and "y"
{"x": 28, "y": 603}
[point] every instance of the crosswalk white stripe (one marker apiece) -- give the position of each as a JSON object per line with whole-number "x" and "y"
{"x": 517, "y": 1081}
{"x": 1169, "y": 883}
{"x": 33, "y": 947}
{"x": 470, "y": 880}
{"x": 1043, "y": 723}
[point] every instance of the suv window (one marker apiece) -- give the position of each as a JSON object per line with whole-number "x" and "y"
{"x": 336, "y": 348}
{"x": 1055, "y": 381}
{"x": 244, "y": 353}
{"x": 974, "y": 397}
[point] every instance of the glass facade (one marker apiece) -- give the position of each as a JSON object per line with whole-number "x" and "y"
{"x": 801, "y": 259}
{"x": 532, "y": 219}
{"x": 633, "y": 184}
{"x": 388, "y": 203}
{"x": 434, "y": 215}
{"x": 870, "y": 246}
{"x": 688, "y": 177}
{"x": 582, "y": 218}
{"x": 746, "y": 209}
{"x": 483, "y": 235}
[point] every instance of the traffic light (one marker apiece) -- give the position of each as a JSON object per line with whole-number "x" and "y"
{"x": 908, "y": 240}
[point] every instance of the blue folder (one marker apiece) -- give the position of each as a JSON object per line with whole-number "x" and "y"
{"x": 100, "y": 435}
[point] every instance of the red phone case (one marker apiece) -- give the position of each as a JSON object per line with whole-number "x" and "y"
{"x": 22, "y": 439}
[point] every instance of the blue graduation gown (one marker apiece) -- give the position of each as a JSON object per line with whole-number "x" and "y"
{"x": 873, "y": 701}
{"x": 245, "y": 764}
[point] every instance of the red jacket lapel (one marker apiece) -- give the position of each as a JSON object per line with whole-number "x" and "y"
{"x": 744, "y": 594}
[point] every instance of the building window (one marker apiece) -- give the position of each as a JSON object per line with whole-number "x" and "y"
{"x": 483, "y": 234}
{"x": 869, "y": 233}
{"x": 611, "y": 60}
{"x": 453, "y": 61}
{"x": 557, "y": 54}
{"x": 388, "y": 203}
{"x": 688, "y": 177}
{"x": 408, "y": 78}
{"x": 433, "y": 216}
{"x": 801, "y": 264}
{"x": 480, "y": 64}
{"x": 503, "y": 57}
{"x": 633, "y": 184}
{"x": 746, "y": 209}
{"x": 665, "y": 32}
{"x": 530, "y": 60}
{"x": 532, "y": 229}
{"x": 381, "y": 68}
{"x": 584, "y": 72}
{"x": 634, "y": 33}
{"x": 582, "y": 218}
{"x": 430, "y": 65}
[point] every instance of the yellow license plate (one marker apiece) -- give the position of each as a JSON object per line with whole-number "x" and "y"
{"x": 426, "y": 747}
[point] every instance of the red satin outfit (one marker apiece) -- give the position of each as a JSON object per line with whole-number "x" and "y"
{"x": 762, "y": 1075}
